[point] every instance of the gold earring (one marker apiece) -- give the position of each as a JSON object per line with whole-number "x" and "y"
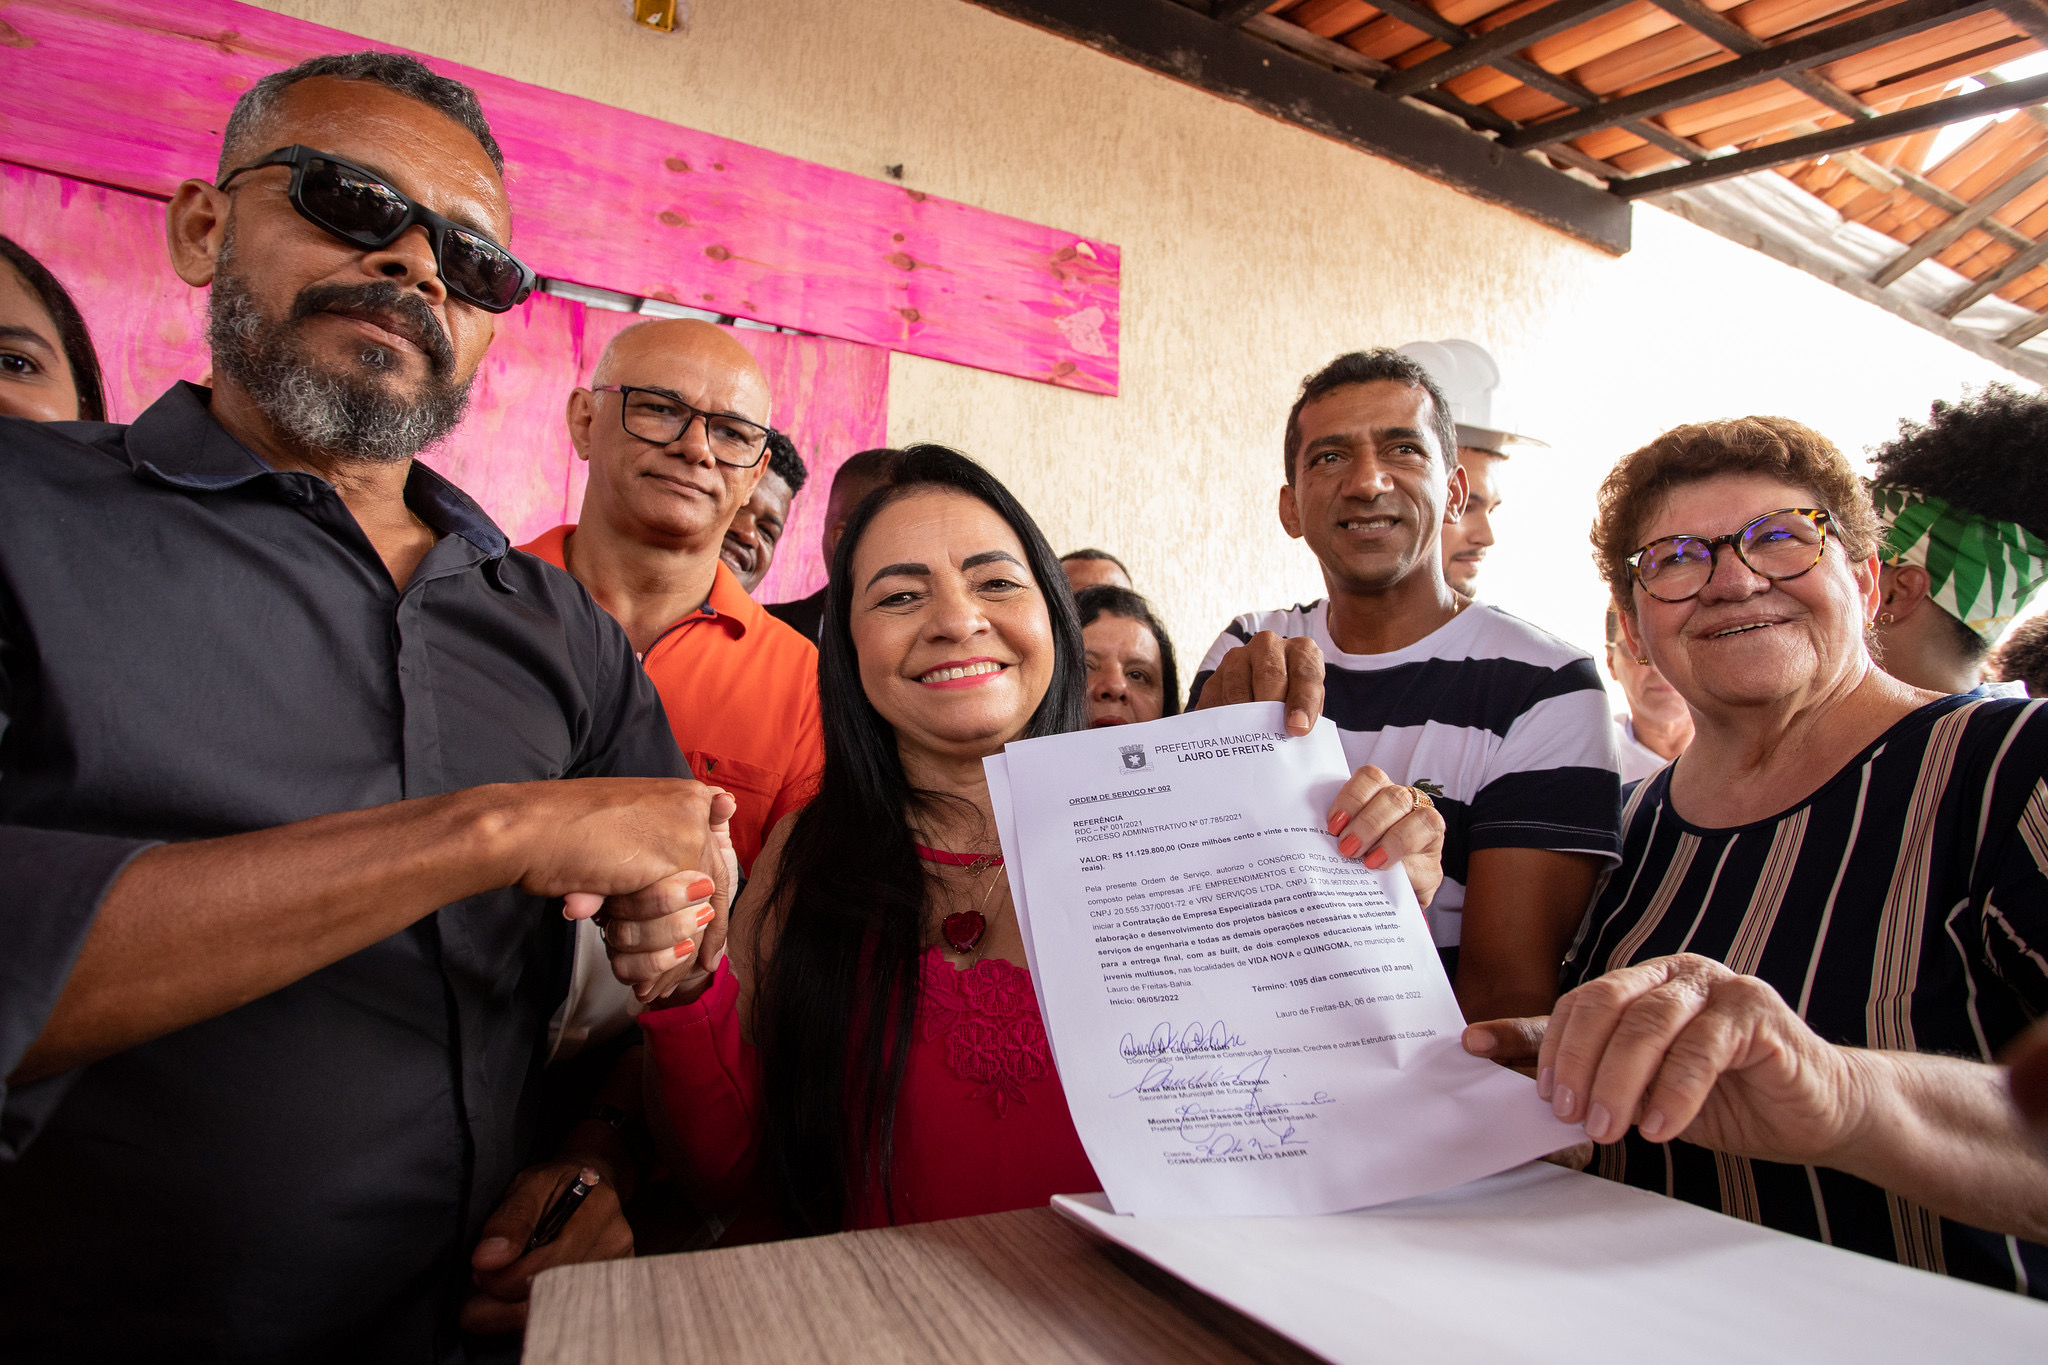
{"x": 1885, "y": 618}
{"x": 1644, "y": 660}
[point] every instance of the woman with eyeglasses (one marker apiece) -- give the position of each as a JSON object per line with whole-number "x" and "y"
{"x": 873, "y": 1053}
{"x": 48, "y": 370}
{"x": 1831, "y": 911}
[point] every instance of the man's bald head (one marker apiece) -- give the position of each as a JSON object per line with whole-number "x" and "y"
{"x": 688, "y": 346}
{"x": 681, "y": 495}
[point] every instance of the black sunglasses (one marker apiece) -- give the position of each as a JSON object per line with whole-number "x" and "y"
{"x": 363, "y": 209}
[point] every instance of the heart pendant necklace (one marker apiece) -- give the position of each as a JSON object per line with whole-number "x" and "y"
{"x": 963, "y": 931}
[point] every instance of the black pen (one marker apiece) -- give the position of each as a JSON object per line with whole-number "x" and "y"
{"x": 562, "y": 1210}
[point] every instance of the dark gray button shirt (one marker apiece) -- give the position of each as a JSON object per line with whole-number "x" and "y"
{"x": 193, "y": 645}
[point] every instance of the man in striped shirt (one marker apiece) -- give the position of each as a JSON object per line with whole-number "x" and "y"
{"x": 1510, "y": 722}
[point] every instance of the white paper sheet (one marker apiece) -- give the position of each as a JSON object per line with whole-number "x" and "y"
{"x": 1544, "y": 1266}
{"x": 1244, "y": 1022}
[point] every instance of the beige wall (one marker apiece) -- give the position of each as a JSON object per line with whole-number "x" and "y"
{"x": 1252, "y": 252}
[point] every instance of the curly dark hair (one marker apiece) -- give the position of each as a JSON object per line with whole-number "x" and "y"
{"x": 785, "y": 463}
{"x": 1982, "y": 453}
{"x": 1777, "y": 446}
{"x": 2023, "y": 658}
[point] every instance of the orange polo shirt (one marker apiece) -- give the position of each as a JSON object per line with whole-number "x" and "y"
{"x": 741, "y": 692}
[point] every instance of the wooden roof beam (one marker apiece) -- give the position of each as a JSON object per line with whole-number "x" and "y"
{"x": 1420, "y": 16}
{"x": 1238, "y": 12}
{"x": 1925, "y": 189}
{"x": 1351, "y": 61}
{"x": 1771, "y": 63}
{"x": 1949, "y": 233}
{"x": 1740, "y": 41}
{"x": 1509, "y": 38}
{"x": 1994, "y": 99}
{"x": 2027, "y": 16}
{"x": 1984, "y": 286}
{"x": 2026, "y": 331}
{"x": 1235, "y": 63}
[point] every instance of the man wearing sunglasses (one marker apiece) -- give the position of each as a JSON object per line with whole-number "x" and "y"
{"x": 279, "y": 708}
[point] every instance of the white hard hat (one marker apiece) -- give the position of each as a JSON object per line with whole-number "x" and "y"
{"x": 1468, "y": 376}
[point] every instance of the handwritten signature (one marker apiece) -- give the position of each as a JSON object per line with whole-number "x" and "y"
{"x": 1188, "y": 1040}
{"x": 1241, "y": 1127}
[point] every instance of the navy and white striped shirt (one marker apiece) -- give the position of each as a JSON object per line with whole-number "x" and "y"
{"x": 1903, "y": 906}
{"x": 1510, "y": 721}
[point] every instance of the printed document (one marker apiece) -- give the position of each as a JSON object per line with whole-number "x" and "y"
{"x": 1244, "y": 1021}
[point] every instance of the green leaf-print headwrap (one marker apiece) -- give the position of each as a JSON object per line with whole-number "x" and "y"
{"x": 1982, "y": 572}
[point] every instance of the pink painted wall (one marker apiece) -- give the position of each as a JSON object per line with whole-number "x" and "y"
{"x": 134, "y": 93}
{"x": 512, "y": 453}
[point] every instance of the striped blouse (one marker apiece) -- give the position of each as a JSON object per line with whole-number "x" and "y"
{"x": 1904, "y": 906}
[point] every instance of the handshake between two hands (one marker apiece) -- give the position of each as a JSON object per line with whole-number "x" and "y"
{"x": 669, "y": 934}
{"x": 672, "y": 842}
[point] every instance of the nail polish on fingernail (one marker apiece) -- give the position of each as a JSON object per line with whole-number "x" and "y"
{"x": 705, "y": 916}
{"x": 1561, "y": 1103}
{"x": 1545, "y": 1079}
{"x": 1349, "y": 845}
{"x": 1597, "y": 1119}
{"x": 700, "y": 888}
{"x": 1652, "y": 1124}
{"x": 1376, "y": 859}
{"x": 1339, "y": 820}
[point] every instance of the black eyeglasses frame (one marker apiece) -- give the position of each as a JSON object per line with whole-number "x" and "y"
{"x": 624, "y": 391}
{"x": 299, "y": 157}
{"x": 1821, "y": 517}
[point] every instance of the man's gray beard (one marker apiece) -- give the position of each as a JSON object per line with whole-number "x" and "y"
{"x": 352, "y": 416}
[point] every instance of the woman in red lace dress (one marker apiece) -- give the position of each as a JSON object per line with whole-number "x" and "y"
{"x": 871, "y": 1052}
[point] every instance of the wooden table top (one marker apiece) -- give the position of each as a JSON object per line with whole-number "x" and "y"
{"x": 1004, "y": 1289}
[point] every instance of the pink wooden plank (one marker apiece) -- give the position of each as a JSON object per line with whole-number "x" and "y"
{"x": 148, "y": 325}
{"x": 833, "y": 399}
{"x": 512, "y": 453}
{"x": 602, "y": 196}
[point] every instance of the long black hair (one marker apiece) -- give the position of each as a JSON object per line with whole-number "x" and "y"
{"x": 1107, "y": 599}
{"x": 837, "y": 1002}
{"x": 70, "y": 325}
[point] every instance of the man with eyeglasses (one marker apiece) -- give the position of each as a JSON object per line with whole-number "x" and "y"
{"x": 281, "y": 716}
{"x": 1504, "y": 726}
{"x": 675, "y": 427}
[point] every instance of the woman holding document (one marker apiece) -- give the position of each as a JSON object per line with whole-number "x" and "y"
{"x": 1842, "y": 876}
{"x": 872, "y": 1052}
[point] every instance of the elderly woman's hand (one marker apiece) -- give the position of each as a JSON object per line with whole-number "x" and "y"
{"x": 1682, "y": 1047}
{"x": 1380, "y": 823}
